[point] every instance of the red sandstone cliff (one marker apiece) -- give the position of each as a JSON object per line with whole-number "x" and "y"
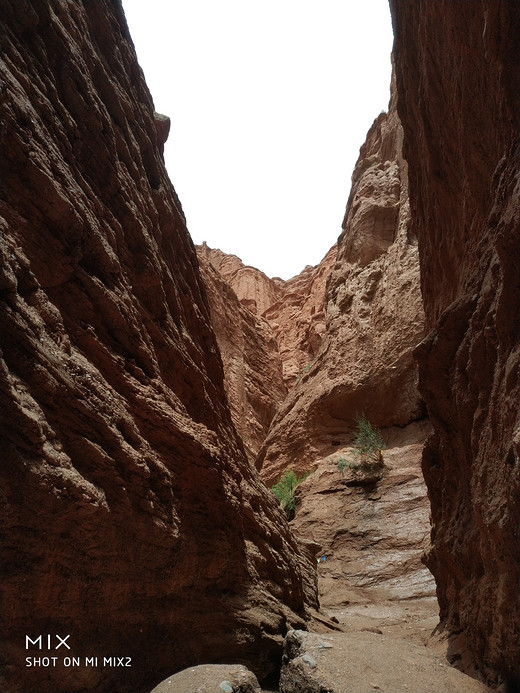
{"x": 131, "y": 518}
{"x": 374, "y": 319}
{"x": 254, "y": 289}
{"x": 294, "y": 309}
{"x": 458, "y": 84}
{"x": 251, "y": 358}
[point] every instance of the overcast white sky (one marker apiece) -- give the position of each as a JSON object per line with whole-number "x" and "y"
{"x": 270, "y": 101}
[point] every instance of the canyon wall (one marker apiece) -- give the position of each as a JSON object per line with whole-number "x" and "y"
{"x": 371, "y": 522}
{"x": 295, "y": 309}
{"x": 373, "y": 321}
{"x": 132, "y": 521}
{"x": 458, "y": 85}
{"x": 252, "y": 365}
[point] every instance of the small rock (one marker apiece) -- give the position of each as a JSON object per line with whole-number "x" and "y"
{"x": 226, "y": 687}
{"x": 309, "y": 660}
{"x": 323, "y": 644}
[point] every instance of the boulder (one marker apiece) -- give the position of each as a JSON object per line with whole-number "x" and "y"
{"x": 211, "y": 678}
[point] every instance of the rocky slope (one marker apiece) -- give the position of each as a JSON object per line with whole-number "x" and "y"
{"x": 458, "y": 77}
{"x": 374, "y": 319}
{"x": 131, "y": 518}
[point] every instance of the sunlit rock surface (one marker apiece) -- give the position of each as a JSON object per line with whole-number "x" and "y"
{"x": 372, "y": 523}
{"x": 295, "y": 309}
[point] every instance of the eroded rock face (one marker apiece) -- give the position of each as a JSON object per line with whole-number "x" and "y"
{"x": 371, "y": 522}
{"x": 374, "y": 319}
{"x": 458, "y": 77}
{"x": 131, "y": 518}
{"x": 254, "y": 289}
{"x": 252, "y": 364}
{"x": 298, "y": 318}
{"x": 295, "y": 309}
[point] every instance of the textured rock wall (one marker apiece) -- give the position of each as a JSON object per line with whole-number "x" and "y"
{"x": 295, "y": 309}
{"x": 371, "y": 523}
{"x": 252, "y": 364}
{"x": 458, "y": 83}
{"x": 298, "y": 318}
{"x": 254, "y": 289}
{"x": 131, "y": 519}
{"x": 374, "y": 319}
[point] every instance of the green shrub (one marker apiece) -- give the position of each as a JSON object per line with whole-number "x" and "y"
{"x": 346, "y": 464}
{"x": 369, "y": 442}
{"x": 305, "y": 370}
{"x": 368, "y": 445}
{"x": 284, "y": 490}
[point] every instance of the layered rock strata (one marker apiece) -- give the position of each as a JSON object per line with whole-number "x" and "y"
{"x": 295, "y": 309}
{"x": 251, "y": 358}
{"x": 374, "y": 319}
{"x": 458, "y": 84}
{"x": 371, "y": 522}
{"x": 132, "y": 521}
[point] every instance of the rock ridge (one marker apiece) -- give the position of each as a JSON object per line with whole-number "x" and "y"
{"x": 294, "y": 309}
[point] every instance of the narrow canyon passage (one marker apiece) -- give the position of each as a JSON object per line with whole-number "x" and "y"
{"x": 152, "y": 392}
{"x": 302, "y": 359}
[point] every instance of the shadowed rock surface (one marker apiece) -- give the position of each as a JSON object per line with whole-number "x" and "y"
{"x": 132, "y": 520}
{"x": 252, "y": 365}
{"x": 458, "y": 85}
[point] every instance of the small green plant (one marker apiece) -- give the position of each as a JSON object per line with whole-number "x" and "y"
{"x": 345, "y": 464}
{"x": 369, "y": 442}
{"x": 284, "y": 490}
{"x": 305, "y": 370}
